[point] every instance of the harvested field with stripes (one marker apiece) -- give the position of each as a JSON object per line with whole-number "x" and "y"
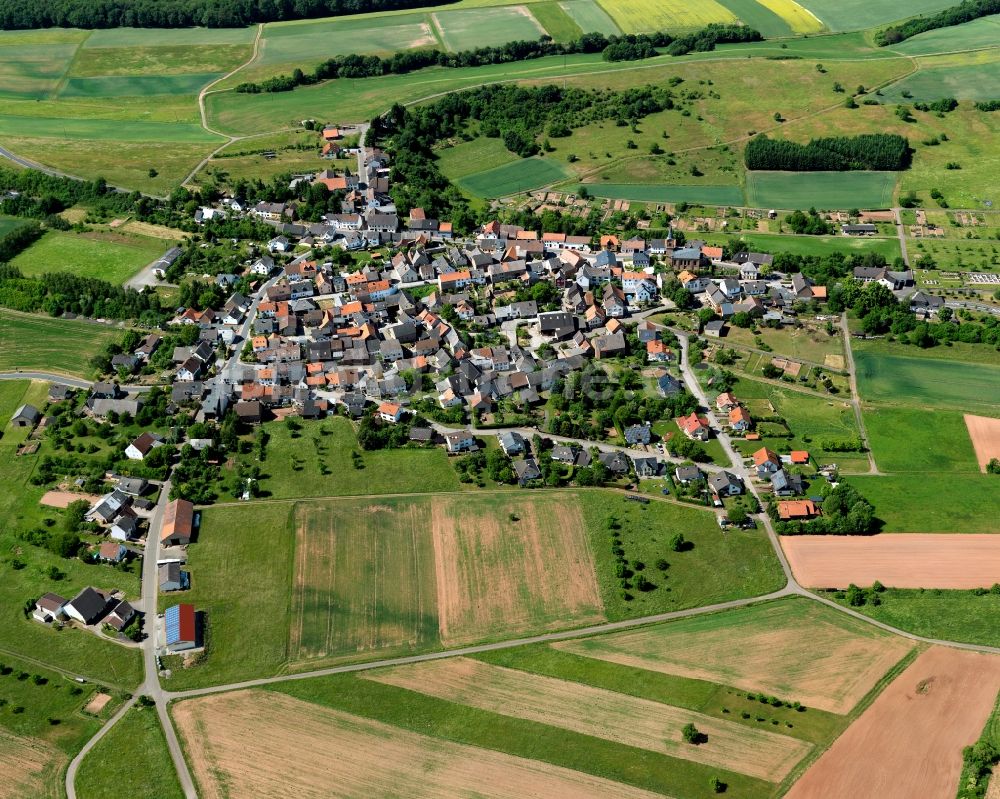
{"x": 794, "y": 649}
{"x": 247, "y": 740}
{"x": 602, "y": 714}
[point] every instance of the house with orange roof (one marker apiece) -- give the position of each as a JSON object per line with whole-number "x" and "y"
{"x": 766, "y": 462}
{"x": 799, "y": 456}
{"x": 797, "y": 510}
{"x": 390, "y": 412}
{"x": 725, "y": 402}
{"x": 740, "y": 420}
{"x": 454, "y": 280}
{"x": 610, "y": 242}
{"x": 694, "y": 426}
{"x": 714, "y": 254}
{"x": 658, "y": 352}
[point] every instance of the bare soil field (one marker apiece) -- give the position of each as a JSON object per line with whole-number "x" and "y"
{"x": 97, "y": 703}
{"x": 246, "y": 741}
{"x": 602, "y": 714}
{"x": 900, "y": 560}
{"x": 496, "y": 575}
{"x": 794, "y": 649}
{"x": 909, "y": 742}
{"x": 26, "y": 766}
{"x": 62, "y": 499}
{"x": 985, "y": 434}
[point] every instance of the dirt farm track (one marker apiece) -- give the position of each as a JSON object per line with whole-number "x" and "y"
{"x": 905, "y": 560}
{"x": 909, "y": 743}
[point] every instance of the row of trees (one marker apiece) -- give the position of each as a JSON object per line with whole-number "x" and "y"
{"x": 956, "y": 15}
{"x": 615, "y": 48}
{"x": 21, "y": 14}
{"x": 57, "y": 293}
{"x": 876, "y": 151}
{"x": 18, "y": 239}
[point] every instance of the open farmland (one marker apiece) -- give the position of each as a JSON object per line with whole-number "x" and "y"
{"x": 983, "y": 32}
{"x": 462, "y": 29}
{"x": 589, "y": 15}
{"x": 364, "y": 579}
{"x": 925, "y": 382}
{"x": 820, "y": 189}
{"x": 909, "y": 742}
{"x": 29, "y": 341}
{"x": 29, "y": 768}
{"x": 517, "y": 176}
{"x": 811, "y": 245}
{"x": 899, "y": 561}
{"x": 480, "y": 154}
{"x": 246, "y": 741}
{"x": 602, "y": 714}
{"x": 107, "y": 256}
{"x": 985, "y": 435}
{"x": 902, "y": 441}
{"x": 852, "y": 15}
{"x": 635, "y": 16}
{"x": 939, "y": 503}
{"x": 975, "y": 81}
{"x": 792, "y": 648}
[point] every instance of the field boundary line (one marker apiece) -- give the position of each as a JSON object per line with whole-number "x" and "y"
{"x": 64, "y": 78}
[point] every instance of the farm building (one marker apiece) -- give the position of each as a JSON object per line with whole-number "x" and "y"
{"x": 88, "y": 606}
{"x": 48, "y": 607}
{"x": 172, "y": 577}
{"x": 25, "y": 416}
{"x": 178, "y": 523}
{"x": 181, "y": 623}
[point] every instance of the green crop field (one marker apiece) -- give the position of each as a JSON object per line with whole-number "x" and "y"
{"x": 33, "y": 71}
{"x": 139, "y": 86}
{"x": 30, "y": 341}
{"x": 667, "y": 193}
{"x": 463, "y": 29}
{"x": 522, "y": 175}
{"x": 852, "y": 15}
{"x": 759, "y": 17}
{"x": 635, "y": 16}
{"x": 926, "y": 381}
{"x": 170, "y": 59}
{"x": 103, "y": 130}
{"x": 820, "y": 189}
{"x": 964, "y": 82}
{"x": 153, "y": 37}
{"x": 474, "y": 156}
{"x": 983, "y": 32}
{"x": 589, "y": 16}
{"x": 935, "y": 613}
{"x": 719, "y": 567}
{"x": 111, "y": 767}
{"x": 551, "y": 16}
{"x": 902, "y": 441}
{"x": 107, "y": 256}
{"x": 936, "y": 503}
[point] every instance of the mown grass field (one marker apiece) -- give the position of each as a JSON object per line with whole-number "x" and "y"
{"x": 964, "y": 82}
{"x": 559, "y": 25}
{"x": 589, "y": 16}
{"x": 468, "y": 158}
{"x": 158, "y": 61}
{"x": 107, "y": 256}
{"x": 935, "y": 613}
{"x": 820, "y": 189}
{"x": 517, "y": 176}
{"x": 33, "y": 342}
{"x": 113, "y": 765}
{"x": 902, "y": 440}
{"x": 666, "y": 192}
{"x": 926, "y": 381}
{"x": 463, "y": 29}
{"x": 136, "y": 86}
{"x": 634, "y": 16}
{"x": 940, "y": 502}
{"x": 104, "y": 130}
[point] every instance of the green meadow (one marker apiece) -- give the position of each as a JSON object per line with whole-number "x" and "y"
{"x": 559, "y": 25}
{"x": 964, "y": 82}
{"x": 810, "y": 245}
{"x": 820, "y": 189}
{"x": 33, "y": 342}
{"x": 103, "y": 129}
{"x": 984, "y": 32}
{"x": 852, "y": 15}
{"x": 926, "y": 382}
{"x": 589, "y": 16}
{"x": 107, "y": 256}
{"x": 517, "y": 176}
{"x": 136, "y": 85}
{"x": 464, "y": 29}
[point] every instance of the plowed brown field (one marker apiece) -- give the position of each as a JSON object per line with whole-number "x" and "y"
{"x": 257, "y": 744}
{"x": 900, "y": 560}
{"x": 602, "y": 714}
{"x": 985, "y": 434}
{"x": 909, "y": 743}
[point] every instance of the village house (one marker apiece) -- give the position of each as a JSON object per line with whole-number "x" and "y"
{"x": 766, "y": 462}
{"x": 797, "y": 510}
{"x": 142, "y": 446}
{"x": 178, "y": 523}
{"x": 694, "y": 427}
